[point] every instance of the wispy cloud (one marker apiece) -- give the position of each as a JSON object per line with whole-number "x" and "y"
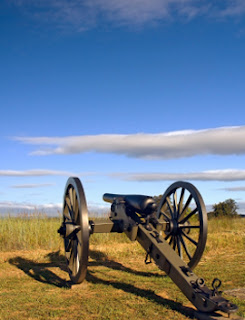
{"x": 234, "y": 189}
{"x": 232, "y": 8}
{"x": 85, "y": 14}
{"x": 51, "y": 209}
{"x": 30, "y": 206}
{"x": 178, "y": 144}
{"x": 31, "y": 186}
{"x": 211, "y": 175}
{"x": 39, "y": 173}
{"x": 33, "y": 173}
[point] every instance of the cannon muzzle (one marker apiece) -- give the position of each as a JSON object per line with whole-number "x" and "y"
{"x": 110, "y": 197}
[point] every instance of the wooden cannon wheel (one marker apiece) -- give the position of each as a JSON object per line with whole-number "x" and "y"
{"x": 183, "y": 212}
{"x": 75, "y": 230}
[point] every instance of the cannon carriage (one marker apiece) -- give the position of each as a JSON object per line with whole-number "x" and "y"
{"x": 173, "y": 234}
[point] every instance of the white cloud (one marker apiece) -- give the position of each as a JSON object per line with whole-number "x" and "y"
{"x": 211, "y": 175}
{"x": 179, "y": 144}
{"x": 49, "y": 209}
{"x": 30, "y": 186}
{"x": 39, "y": 173}
{"x": 85, "y": 14}
{"x": 232, "y": 8}
{"x": 29, "y": 206}
{"x": 33, "y": 173}
{"x": 138, "y": 12}
{"x": 234, "y": 189}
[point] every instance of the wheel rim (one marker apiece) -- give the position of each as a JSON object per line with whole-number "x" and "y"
{"x": 184, "y": 214}
{"x": 76, "y": 234}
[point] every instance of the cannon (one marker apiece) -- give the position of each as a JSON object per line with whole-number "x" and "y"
{"x": 173, "y": 234}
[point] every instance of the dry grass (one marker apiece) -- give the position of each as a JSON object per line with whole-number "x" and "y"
{"x": 34, "y": 283}
{"x": 29, "y": 232}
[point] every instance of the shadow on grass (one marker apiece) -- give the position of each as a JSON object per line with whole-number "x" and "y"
{"x": 40, "y": 270}
{"x": 100, "y": 259}
{"x": 41, "y": 273}
{"x": 147, "y": 294}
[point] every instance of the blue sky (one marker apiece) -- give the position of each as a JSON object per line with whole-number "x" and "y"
{"x": 129, "y": 95}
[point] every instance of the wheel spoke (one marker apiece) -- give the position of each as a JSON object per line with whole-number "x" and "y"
{"x": 186, "y": 206}
{"x": 66, "y": 212}
{"x": 79, "y": 248}
{"x": 171, "y": 240}
{"x": 68, "y": 246}
{"x": 188, "y": 216}
{"x": 175, "y": 205}
{"x": 166, "y": 238}
{"x": 179, "y": 247}
{"x": 73, "y": 198}
{"x": 170, "y": 207}
{"x": 70, "y": 193}
{"x": 68, "y": 243}
{"x": 68, "y": 255}
{"x": 180, "y": 205}
{"x": 77, "y": 263}
{"x": 71, "y": 264}
{"x": 185, "y": 247}
{"x": 79, "y": 239}
{"x": 75, "y": 207}
{"x": 174, "y": 245}
{"x": 71, "y": 258}
{"x": 165, "y": 215}
{"x": 79, "y": 252}
{"x": 189, "y": 238}
{"x": 189, "y": 227}
{"x": 68, "y": 204}
{"x": 76, "y": 258}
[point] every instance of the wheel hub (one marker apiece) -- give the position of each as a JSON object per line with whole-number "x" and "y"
{"x": 68, "y": 230}
{"x": 172, "y": 227}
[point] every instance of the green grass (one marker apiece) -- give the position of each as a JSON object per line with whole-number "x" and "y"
{"x": 34, "y": 283}
{"x": 29, "y": 232}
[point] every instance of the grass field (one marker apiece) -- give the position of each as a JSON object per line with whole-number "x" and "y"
{"x": 34, "y": 283}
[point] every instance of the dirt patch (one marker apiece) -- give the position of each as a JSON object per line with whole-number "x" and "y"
{"x": 238, "y": 293}
{"x": 163, "y": 294}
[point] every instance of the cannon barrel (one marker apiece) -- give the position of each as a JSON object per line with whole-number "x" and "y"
{"x": 140, "y": 203}
{"x": 110, "y": 197}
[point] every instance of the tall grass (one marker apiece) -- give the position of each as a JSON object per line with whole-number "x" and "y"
{"x": 37, "y": 231}
{"x": 119, "y": 285}
{"x": 29, "y": 232}
{"x": 224, "y": 232}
